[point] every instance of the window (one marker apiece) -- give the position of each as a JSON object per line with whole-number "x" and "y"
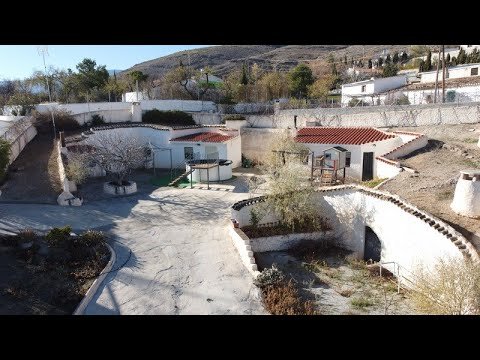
{"x": 364, "y": 88}
{"x": 328, "y": 156}
{"x": 348, "y": 158}
{"x": 188, "y": 151}
{"x": 474, "y": 71}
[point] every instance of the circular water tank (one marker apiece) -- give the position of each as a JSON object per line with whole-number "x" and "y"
{"x": 215, "y": 173}
{"x": 466, "y": 200}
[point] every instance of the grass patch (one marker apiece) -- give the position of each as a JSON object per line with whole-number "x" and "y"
{"x": 373, "y": 183}
{"x": 471, "y": 141}
{"x": 361, "y": 302}
{"x": 471, "y": 163}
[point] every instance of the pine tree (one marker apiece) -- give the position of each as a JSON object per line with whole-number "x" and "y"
{"x": 428, "y": 62}
{"x": 380, "y": 62}
{"x": 447, "y": 59}
{"x": 388, "y": 59}
{"x": 404, "y": 57}
{"x": 462, "y": 57}
{"x": 244, "y": 79}
{"x": 370, "y": 63}
{"x": 395, "y": 58}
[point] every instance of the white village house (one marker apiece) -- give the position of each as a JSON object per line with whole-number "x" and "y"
{"x": 184, "y": 143}
{"x": 453, "y": 72}
{"x": 369, "y": 152}
{"x": 369, "y": 91}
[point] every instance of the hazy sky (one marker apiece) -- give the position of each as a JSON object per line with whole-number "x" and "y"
{"x": 19, "y": 61}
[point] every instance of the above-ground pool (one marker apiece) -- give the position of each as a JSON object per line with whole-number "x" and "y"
{"x": 218, "y": 170}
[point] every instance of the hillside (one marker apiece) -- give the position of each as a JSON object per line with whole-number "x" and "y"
{"x": 224, "y": 58}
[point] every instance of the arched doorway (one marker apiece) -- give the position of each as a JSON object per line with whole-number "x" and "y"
{"x": 373, "y": 247}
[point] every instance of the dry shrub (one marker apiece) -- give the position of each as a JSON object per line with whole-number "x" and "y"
{"x": 64, "y": 121}
{"x": 283, "y": 299}
{"x": 451, "y": 287}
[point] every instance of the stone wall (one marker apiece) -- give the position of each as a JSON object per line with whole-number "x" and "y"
{"x": 374, "y": 116}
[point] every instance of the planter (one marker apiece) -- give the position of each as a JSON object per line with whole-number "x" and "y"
{"x": 113, "y": 189}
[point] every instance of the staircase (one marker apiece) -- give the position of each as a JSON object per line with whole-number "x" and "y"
{"x": 327, "y": 178}
{"x": 179, "y": 178}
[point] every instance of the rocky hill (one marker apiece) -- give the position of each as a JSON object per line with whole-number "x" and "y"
{"x": 224, "y": 58}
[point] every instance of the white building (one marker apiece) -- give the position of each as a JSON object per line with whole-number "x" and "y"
{"x": 364, "y": 145}
{"x": 454, "y": 72}
{"x": 368, "y": 90}
{"x": 184, "y": 143}
{"x": 135, "y": 96}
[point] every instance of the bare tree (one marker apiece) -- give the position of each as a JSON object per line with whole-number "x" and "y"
{"x": 118, "y": 154}
{"x": 450, "y": 287}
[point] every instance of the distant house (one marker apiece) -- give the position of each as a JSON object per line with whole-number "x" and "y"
{"x": 368, "y": 91}
{"x": 454, "y": 72}
{"x": 362, "y": 146}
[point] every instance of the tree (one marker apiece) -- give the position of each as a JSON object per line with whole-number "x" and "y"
{"x": 404, "y": 57}
{"x": 7, "y": 89}
{"x": 462, "y": 57}
{"x": 380, "y": 62}
{"x": 182, "y": 75}
{"x": 428, "y": 62}
{"x": 77, "y": 167}
{"x": 289, "y": 191}
{"x": 116, "y": 87}
{"x": 395, "y": 58}
{"x": 321, "y": 87}
{"x": 447, "y": 59}
{"x": 454, "y": 61}
{"x": 300, "y": 78}
{"x": 390, "y": 70}
{"x": 4, "y": 158}
{"x": 117, "y": 154}
{"x": 91, "y": 76}
{"x": 388, "y": 59}
{"x": 345, "y": 61}
{"x": 473, "y": 57}
{"x": 370, "y": 64}
{"x": 274, "y": 85}
{"x": 450, "y": 287}
{"x": 421, "y": 66}
{"x": 244, "y": 78}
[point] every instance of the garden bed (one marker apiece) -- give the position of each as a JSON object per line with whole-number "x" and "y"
{"x": 52, "y": 275}
{"x": 282, "y": 229}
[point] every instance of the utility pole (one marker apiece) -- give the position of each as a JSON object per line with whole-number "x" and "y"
{"x": 443, "y": 74}
{"x": 44, "y": 50}
{"x": 136, "y": 85}
{"x": 436, "y": 78}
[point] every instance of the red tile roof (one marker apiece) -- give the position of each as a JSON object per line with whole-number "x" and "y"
{"x": 350, "y": 136}
{"x": 204, "y": 137}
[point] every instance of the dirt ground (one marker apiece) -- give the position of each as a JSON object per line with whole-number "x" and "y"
{"x": 36, "y": 286}
{"x": 33, "y": 176}
{"x": 338, "y": 284}
{"x": 451, "y": 148}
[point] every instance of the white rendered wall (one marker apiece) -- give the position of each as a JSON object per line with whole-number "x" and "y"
{"x": 201, "y": 176}
{"x": 405, "y": 238}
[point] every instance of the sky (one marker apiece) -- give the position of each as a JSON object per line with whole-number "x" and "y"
{"x": 20, "y": 61}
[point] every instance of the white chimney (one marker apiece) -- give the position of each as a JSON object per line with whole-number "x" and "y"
{"x": 466, "y": 200}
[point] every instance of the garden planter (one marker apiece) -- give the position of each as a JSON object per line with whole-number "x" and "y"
{"x": 129, "y": 187}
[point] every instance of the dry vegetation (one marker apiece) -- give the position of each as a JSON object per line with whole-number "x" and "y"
{"x": 450, "y": 150}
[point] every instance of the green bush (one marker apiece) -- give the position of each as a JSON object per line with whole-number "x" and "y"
{"x": 234, "y": 117}
{"x": 58, "y": 236}
{"x": 168, "y": 118}
{"x": 269, "y": 276}
{"x": 4, "y": 158}
{"x": 96, "y": 120}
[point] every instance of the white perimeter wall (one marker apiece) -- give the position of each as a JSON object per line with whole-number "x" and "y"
{"x": 405, "y": 238}
{"x": 21, "y": 141}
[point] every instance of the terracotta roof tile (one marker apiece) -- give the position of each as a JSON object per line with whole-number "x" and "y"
{"x": 350, "y": 136}
{"x": 204, "y": 137}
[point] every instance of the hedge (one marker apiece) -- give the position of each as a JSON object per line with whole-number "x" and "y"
{"x": 168, "y": 118}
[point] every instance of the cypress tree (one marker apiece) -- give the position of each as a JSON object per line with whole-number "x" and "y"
{"x": 428, "y": 62}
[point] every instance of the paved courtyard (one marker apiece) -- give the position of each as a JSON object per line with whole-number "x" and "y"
{"x": 173, "y": 255}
